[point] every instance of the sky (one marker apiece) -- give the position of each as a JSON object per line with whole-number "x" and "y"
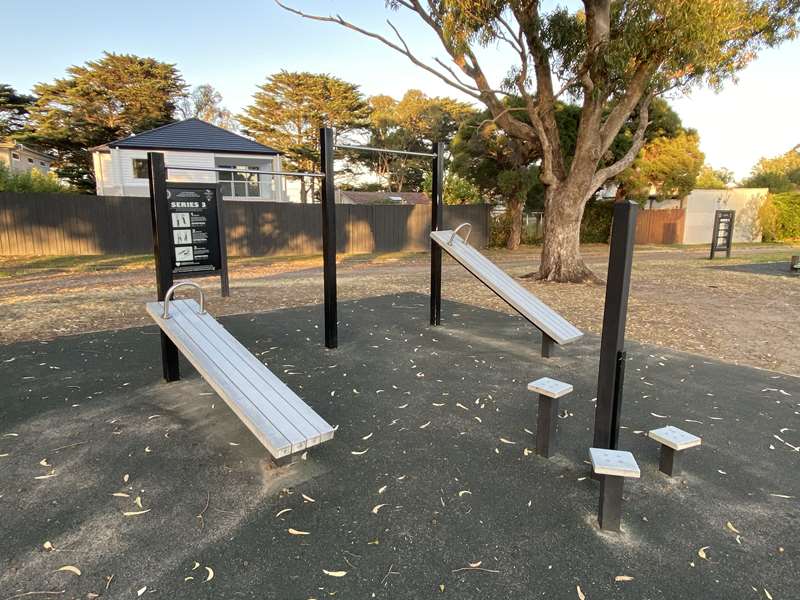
{"x": 234, "y": 46}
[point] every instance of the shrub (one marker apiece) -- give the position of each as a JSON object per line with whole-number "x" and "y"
{"x": 596, "y": 223}
{"x": 499, "y": 230}
{"x": 780, "y": 217}
{"x": 30, "y": 181}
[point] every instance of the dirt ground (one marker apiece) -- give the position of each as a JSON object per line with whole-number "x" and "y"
{"x": 744, "y": 310}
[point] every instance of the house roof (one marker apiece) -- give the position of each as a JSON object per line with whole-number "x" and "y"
{"x": 12, "y": 145}
{"x": 387, "y": 197}
{"x": 191, "y": 134}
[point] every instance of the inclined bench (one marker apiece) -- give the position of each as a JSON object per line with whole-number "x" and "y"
{"x": 281, "y": 421}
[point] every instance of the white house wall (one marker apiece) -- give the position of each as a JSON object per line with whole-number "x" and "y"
{"x": 701, "y": 206}
{"x": 114, "y": 170}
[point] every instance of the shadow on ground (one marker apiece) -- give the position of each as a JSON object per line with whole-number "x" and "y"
{"x": 428, "y": 489}
{"x": 781, "y": 269}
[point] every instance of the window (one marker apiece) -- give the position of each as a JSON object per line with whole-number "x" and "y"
{"x": 15, "y": 156}
{"x": 41, "y": 162}
{"x": 239, "y": 184}
{"x": 30, "y": 160}
{"x": 140, "y": 168}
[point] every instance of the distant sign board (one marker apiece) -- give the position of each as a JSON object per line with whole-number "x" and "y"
{"x": 194, "y": 228}
{"x": 722, "y": 238}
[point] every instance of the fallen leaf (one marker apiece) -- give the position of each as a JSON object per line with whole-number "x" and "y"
{"x": 210, "y": 575}
{"x": 730, "y": 526}
{"x": 48, "y": 546}
{"x": 383, "y": 489}
{"x": 425, "y": 425}
{"x": 133, "y": 513}
{"x": 298, "y": 532}
{"x": 702, "y": 552}
{"x": 48, "y": 476}
{"x": 195, "y": 565}
{"x": 125, "y": 478}
{"x": 505, "y": 441}
{"x": 44, "y": 463}
{"x": 70, "y": 569}
{"x": 767, "y": 594}
{"x": 334, "y": 573}
{"x": 376, "y": 508}
{"x": 366, "y": 437}
{"x": 581, "y": 595}
{"x": 623, "y": 578}
{"x": 307, "y": 498}
{"x": 189, "y": 578}
{"x": 282, "y": 512}
{"x": 141, "y": 591}
{"x": 475, "y": 565}
{"x": 464, "y": 493}
{"x": 359, "y": 452}
{"x": 121, "y": 495}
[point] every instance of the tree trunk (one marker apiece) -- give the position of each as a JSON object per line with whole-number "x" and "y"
{"x": 514, "y": 209}
{"x": 561, "y": 255}
{"x": 303, "y": 191}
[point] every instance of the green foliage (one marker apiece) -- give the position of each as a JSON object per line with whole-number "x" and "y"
{"x": 665, "y": 168}
{"x": 289, "y": 109}
{"x": 414, "y": 123}
{"x": 713, "y": 179}
{"x": 30, "y": 181}
{"x": 779, "y": 217}
{"x": 596, "y": 223}
{"x": 780, "y": 174}
{"x": 457, "y": 189}
{"x": 500, "y": 231}
{"x": 101, "y": 101}
{"x": 13, "y": 110}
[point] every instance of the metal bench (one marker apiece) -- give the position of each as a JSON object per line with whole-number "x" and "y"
{"x": 553, "y": 326}
{"x": 281, "y": 421}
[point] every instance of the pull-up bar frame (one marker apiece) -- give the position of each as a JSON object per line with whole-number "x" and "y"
{"x": 385, "y": 150}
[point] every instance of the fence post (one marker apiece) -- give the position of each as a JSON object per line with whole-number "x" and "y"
{"x": 437, "y": 184}
{"x": 328, "y": 201}
{"x": 159, "y": 213}
{"x": 612, "y": 355}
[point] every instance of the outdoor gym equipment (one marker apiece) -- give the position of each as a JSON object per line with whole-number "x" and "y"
{"x": 553, "y": 326}
{"x": 614, "y": 466}
{"x": 549, "y": 390}
{"x": 281, "y": 421}
{"x": 189, "y": 239}
{"x": 672, "y": 440}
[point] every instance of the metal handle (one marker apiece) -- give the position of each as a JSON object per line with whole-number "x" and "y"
{"x": 171, "y": 291}
{"x": 456, "y": 230}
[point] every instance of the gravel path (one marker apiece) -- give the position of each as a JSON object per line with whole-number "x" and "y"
{"x": 745, "y": 310}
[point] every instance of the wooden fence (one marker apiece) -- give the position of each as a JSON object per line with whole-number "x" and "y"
{"x": 660, "y": 226}
{"x": 67, "y": 224}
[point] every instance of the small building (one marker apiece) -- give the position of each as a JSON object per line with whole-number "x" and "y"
{"x": 406, "y": 198}
{"x": 120, "y": 167}
{"x": 701, "y": 205}
{"x": 19, "y": 158}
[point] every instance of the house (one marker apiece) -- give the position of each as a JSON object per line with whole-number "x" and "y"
{"x": 19, "y": 158}
{"x": 120, "y": 166}
{"x": 349, "y": 197}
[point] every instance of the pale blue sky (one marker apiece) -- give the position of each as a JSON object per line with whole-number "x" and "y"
{"x": 235, "y": 45}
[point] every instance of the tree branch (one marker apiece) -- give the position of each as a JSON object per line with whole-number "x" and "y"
{"x": 401, "y": 49}
{"x": 603, "y": 175}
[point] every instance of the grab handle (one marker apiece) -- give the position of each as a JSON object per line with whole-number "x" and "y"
{"x": 171, "y": 291}
{"x": 456, "y": 230}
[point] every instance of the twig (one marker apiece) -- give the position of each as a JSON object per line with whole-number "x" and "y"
{"x": 65, "y": 447}
{"x": 475, "y": 569}
{"x": 35, "y": 594}
{"x": 389, "y": 572}
{"x": 202, "y": 512}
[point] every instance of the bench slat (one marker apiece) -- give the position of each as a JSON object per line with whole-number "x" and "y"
{"x": 247, "y": 386}
{"x": 288, "y": 403}
{"x": 270, "y": 403}
{"x": 502, "y": 284}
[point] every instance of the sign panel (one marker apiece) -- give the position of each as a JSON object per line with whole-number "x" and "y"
{"x": 722, "y": 238}
{"x": 194, "y": 228}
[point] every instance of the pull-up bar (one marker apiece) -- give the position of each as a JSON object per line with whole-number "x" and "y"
{"x": 384, "y": 150}
{"x": 249, "y": 171}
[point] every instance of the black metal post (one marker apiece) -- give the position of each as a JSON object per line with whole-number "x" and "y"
{"x": 159, "y": 212}
{"x": 609, "y": 377}
{"x": 547, "y": 345}
{"x": 223, "y": 245}
{"x": 436, "y": 223}
{"x": 667, "y": 463}
{"x": 328, "y": 236}
{"x": 610, "y": 512}
{"x": 547, "y": 426}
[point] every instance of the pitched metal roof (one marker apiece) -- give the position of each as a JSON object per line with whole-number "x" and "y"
{"x": 192, "y": 134}
{"x": 387, "y": 197}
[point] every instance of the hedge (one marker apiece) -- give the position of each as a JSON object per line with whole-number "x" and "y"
{"x": 780, "y": 217}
